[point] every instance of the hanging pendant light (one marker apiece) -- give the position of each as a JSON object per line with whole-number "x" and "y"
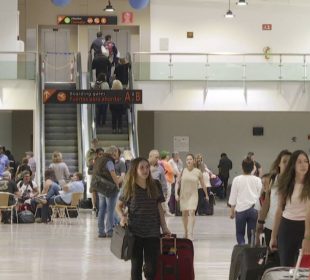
{"x": 229, "y": 13}
{"x": 109, "y": 7}
{"x": 242, "y": 3}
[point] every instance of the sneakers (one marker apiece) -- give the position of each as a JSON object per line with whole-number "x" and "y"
{"x": 105, "y": 235}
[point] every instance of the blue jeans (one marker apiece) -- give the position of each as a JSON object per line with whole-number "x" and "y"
{"x": 106, "y": 210}
{"x": 246, "y": 218}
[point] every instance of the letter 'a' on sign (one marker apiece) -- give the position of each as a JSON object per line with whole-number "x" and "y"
{"x": 127, "y": 96}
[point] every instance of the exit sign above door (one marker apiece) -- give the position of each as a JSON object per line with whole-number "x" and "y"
{"x": 267, "y": 26}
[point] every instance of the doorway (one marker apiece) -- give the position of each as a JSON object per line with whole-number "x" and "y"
{"x": 18, "y": 128}
{"x": 55, "y": 46}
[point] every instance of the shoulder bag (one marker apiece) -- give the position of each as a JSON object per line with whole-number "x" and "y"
{"x": 103, "y": 186}
{"x": 122, "y": 243}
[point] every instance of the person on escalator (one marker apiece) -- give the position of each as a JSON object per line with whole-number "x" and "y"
{"x": 122, "y": 72}
{"x": 97, "y": 44}
{"x": 101, "y": 109}
{"x": 102, "y": 64}
{"x": 117, "y": 110}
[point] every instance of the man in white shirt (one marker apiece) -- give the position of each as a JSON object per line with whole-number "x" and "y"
{"x": 28, "y": 188}
{"x": 244, "y": 196}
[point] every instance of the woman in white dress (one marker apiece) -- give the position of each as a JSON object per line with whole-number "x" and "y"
{"x": 188, "y": 183}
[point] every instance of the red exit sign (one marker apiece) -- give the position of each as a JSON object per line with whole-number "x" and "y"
{"x": 267, "y": 26}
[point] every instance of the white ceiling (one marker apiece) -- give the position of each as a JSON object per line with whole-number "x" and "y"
{"x": 250, "y": 2}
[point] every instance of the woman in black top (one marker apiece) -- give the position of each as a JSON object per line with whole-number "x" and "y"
{"x": 143, "y": 196}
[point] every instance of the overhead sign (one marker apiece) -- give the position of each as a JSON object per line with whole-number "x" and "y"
{"x": 92, "y": 96}
{"x": 87, "y": 20}
{"x": 267, "y": 26}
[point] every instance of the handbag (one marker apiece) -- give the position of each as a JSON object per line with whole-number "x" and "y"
{"x": 103, "y": 186}
{"x": 122, "y": 243}
{"x": 215, "y": 182}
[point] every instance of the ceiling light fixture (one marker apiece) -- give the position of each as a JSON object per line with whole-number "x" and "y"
{"x": 109, "y": 7}
{"x": 242, "y": 3}
{"x": 229, "y": 13}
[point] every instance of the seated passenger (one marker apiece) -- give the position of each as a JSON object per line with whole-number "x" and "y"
{"x": 7, "y": 185}
{"x": 27, "y": 188}
{"x": 65, "y": 197}
{"x": 50, "y": 189}
{"x": 21, "y": 168}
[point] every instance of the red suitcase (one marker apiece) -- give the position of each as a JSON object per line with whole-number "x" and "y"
{"x": 176, "y": 260}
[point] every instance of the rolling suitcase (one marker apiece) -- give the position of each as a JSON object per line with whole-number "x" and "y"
{"x": 172, "y": 201}
{"x": 205, "y": 207}
{"x": 176, "y": 260}
{"x": 249, "y": 262}
{"x": 210, "y": 205}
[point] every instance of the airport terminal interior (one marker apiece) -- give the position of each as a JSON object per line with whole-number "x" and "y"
{"x": 207, "y": 77}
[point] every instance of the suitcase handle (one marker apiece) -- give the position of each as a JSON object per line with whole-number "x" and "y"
{"x": 172, "y": 236}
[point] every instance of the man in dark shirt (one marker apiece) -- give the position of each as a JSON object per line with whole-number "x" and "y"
{"x": 102, "y": 65}
{"x": 257, "y": 171}
{"x": 224, "y": 166}
{"x": 97, "y": 44}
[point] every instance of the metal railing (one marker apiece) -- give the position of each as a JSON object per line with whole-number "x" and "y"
{"x": 132, "y": 127}
{"x": 221, "y": 66}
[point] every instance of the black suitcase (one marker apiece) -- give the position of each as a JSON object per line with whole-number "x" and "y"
{"x": 205, "y": 207}
{"x": 253, "y": 263}
{"x": 172, "y": 202}
{"x": 249, "y": 262}
{"x": 177, "y": 209}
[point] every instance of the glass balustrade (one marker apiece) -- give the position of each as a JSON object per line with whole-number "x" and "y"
{"x": 220, "y": 67}
{"x": 59, "y": 67}
{"x": 18, "y": 65}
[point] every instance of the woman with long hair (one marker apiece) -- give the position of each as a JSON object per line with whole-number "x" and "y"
{"x": 143, "y": 197}
{"x": 199, "y": 163}
{"x": 293, "y": 194}
{"x": 189, "y": 180}
{"x": 269, "y": 205}
{"x": 60, "y": 167}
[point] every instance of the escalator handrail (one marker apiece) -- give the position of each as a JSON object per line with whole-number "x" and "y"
{"x": 132, "y": 130}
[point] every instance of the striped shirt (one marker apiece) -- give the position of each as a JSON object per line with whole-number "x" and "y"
{"x": 144, "y": 220}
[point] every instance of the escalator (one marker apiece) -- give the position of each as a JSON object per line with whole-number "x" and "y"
{"x": 61, "y": 123}
{"x": 104, "y": 133}
{"x": 61, "y": 129}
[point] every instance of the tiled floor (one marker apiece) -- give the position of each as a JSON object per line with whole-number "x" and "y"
{"x": 54, "y": 251}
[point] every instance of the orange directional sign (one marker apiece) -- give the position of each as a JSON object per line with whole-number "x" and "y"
{"x": 92, "y": 96}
